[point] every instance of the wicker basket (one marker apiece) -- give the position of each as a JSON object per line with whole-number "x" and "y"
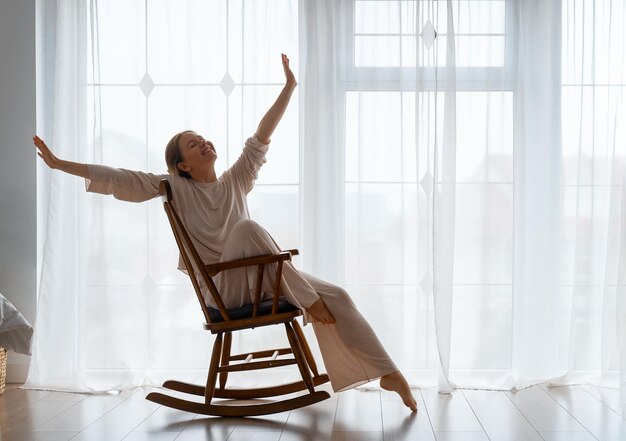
{"x": 3, "y": 370}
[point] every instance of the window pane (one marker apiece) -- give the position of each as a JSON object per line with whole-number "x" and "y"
{"x": 121, "y": 133}
{"x": 116, "y": 308}
{"x": 593, "y": 43}
{"x": 395, "y": 51}
{"x": 377, "y": 51}
{"x": 483, "y": 252}
{"x": 586, "y": 232}
{"x": 374, "y": 219}
{"x": 186, "y": 41}
{"x": 377, "y": 17}
{"x": 163, "y": 257}
{"x": 246, "y": 107}
{"x": 177, "y": 312}
{"x": 484, "y": 148}
{"x": 277, "y": 208}
{"x": 118, "y": 251}
{"x": 582, "y": 326}
{"x": 470, "y": 51}
{"x": 385, "y": 33}
{"x": 401, "y": 318}
{"x": 253, "y": 50}
{"x": 472, "y": 17}
{"x": 376, "y": 136}
{"x": 482, "y": 317}
{"x": 593, "y": 137}
{"x": 121, "y": 44}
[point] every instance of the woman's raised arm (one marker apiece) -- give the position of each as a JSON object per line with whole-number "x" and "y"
{"x": 276, "y": 112}
{"x": 73, "y": 168}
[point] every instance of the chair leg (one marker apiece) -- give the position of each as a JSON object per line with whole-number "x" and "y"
{"x": 215, "y": 363}
{"x": 299, "y": 356}
{"x": 228, "y": 337}
{"x": 305, "y": 347}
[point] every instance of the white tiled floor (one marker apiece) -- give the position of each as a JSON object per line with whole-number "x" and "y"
{"x": 576, "y": 413}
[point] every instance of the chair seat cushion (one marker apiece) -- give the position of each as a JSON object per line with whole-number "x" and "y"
{"x": 245, "y": 311}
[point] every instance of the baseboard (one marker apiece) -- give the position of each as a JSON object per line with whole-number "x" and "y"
{"x": 17, "y": 367}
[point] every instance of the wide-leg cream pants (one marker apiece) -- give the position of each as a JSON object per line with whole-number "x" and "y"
{"x": 352, "y": 353}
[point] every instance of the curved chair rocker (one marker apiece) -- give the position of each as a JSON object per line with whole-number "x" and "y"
{"x": 224, "y": 322}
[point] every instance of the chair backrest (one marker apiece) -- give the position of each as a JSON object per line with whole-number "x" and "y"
{"x": 190, "y": 255}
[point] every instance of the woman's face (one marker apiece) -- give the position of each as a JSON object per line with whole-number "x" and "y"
{"x": 197, "y": 152}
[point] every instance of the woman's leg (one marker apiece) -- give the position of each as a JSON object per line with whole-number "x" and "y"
{"x": 352, "y": 352}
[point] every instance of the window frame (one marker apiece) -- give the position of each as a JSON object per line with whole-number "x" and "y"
{"x": 488, "y": 78}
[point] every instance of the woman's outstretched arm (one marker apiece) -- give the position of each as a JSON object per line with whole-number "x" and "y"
{"x": 73, "y": 168}
{"x": 126, "y": 185}
{"x": 276, "y": 112}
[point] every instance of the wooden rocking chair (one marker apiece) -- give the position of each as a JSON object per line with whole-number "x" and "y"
{"x": 224, "y": 322}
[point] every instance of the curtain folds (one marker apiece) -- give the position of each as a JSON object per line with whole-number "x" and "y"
{"x": 458, "y": 166}
{"x": 55, "y": 349}
{"x": 593, "y": 164}
{"x": 322, "y": 160}
{"x": 444, "y": 211}
{"x": 536, "y": 188}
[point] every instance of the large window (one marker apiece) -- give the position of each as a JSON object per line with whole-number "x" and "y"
{"x": 593, "y": 170}
{"x": 156, "y": 68}
{"x": 393, "y": 84}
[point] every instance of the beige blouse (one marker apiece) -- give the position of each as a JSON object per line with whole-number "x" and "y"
{"x": 209, "y": 210}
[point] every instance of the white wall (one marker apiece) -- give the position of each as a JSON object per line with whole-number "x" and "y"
{"x": 18, "y": 184}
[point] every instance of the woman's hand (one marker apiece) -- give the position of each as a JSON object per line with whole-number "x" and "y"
{"x": 45, "y": 153}
{"x": 275, "y": 113}
{"x": 289, "y": 76}
{"x": 73, "y": 168}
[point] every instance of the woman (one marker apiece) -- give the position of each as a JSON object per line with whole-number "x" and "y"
{"x": 215, "y": 212}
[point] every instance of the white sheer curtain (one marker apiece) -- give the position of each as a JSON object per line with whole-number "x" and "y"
{"x": 593, "y": 268}
{"x": 453, "y": 229}
{"x": 426, "y": 97}
{"x": 113, "y": 309}
{"x": 460, "y": 172}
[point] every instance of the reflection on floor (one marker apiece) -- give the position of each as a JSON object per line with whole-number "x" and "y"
{"x": 575, "y": 413}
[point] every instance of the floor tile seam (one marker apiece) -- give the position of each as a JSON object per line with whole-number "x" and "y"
{"x": 56, "y": 415}
{"x": 14, "y": 410}
{"x": 101, "y": 416}
{"x": 189, "y": 424}
{"x": 142, "y": 421}
{"x": 475, "y": 416}
{"x": 337, "y": 410}
{"x": 519, "y": 411}
{"x": 382, "y": 418}
{"x": 568, "y": 412}
{"x": 282, "y": 432}
{"x": 524, "y": 415}
{"x": 229, "y": 433}
{"x": 428, "y": 414}
{"x": 603, "y": 403}
{"x": 335, "y": 416}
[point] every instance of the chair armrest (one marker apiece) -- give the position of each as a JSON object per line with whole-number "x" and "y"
{"x": 215, "y": 268}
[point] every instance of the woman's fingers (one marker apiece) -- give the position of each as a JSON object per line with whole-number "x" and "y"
{"x": 288, "y": 73}
{"x": 44, "y": 152}
{"x": 40, "y": 144}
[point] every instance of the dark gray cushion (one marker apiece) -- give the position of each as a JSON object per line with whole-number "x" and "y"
{"x": 245, "y": 311}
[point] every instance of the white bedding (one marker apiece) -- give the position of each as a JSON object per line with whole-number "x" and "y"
{"x": 15, "y": 331}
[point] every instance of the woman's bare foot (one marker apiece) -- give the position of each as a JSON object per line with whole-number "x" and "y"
{"x": 396, "y": 382}
{"x": 320, "y": 313}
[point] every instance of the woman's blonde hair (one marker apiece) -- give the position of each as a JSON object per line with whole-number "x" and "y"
{"x": 174, "y": 156}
